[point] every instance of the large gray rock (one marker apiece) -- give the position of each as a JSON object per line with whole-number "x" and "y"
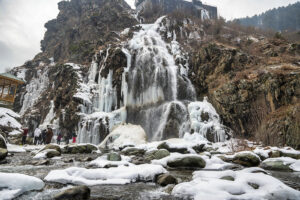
{"x": 75, "y": 193}
{"x": 51, "y": 153}
{"x": 165, "y": 145}
{"x": 187, "y": 162}
{"x": 3, "y": 153}
{"x": 114, "y": 157}
{"x": 79, "y": 149}
{"x": 131, "y": 151}
{"x": 166, "y": 179}
{"x": 157, "y": 154}
{"x": 276, "y": 165}
{"x": 52, "y": 146}
{"x": 246, "y": 159}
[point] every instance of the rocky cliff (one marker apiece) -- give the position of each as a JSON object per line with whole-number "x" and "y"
{"x": 100, "y": 67}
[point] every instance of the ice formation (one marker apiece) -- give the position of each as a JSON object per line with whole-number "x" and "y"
{"x": 149, "y": 92}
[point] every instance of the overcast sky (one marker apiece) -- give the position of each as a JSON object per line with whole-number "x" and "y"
{"x": 22, "y": 23}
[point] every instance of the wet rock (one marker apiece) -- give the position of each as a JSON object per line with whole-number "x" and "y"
{"x": 276, "y": 165}
{"x": 187, "y": 162}
{"x": 274, "y": 154}
{"x": 79, "y": 149}
{"x": 3, "y": 153}
{"x": 228, "y": 178}
{"x": 168, "y": 189}
{"x": 157, "y": 154}
{"x": 290, "y": 154}
{"x": 199, "y": 148}
{"x": 131, "y": 151}
{"x": 40, "y": 162}
{"x": 254, "y": 185}
{"x": 114, "y": 157}
{"x": 52, "y": 146}
{"x": 166, "y": 179}
{"x": 51, "y": 153}
{"x": 164, "y": 145}
{"x": 246, "y": 159}
{"x": 75, "y": 193}
{"x": 2, "y": 142}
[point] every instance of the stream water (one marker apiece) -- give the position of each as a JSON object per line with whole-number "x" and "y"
{"x": 21, "y": 163}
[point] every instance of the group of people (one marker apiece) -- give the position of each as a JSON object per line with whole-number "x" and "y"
{"x": 40, "y": 136}
{"x": 45, "y": 136}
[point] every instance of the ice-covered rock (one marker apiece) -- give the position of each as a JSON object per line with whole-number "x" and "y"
{"x": 124, "y": 135}
{"x": 13, "y": 185}
{"x": 118, "y": 175}
{"x": 9, "y": 119}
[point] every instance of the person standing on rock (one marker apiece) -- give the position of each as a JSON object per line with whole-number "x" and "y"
{"x": 37, "y": 135}
{"x": 49, "y": 135}
{"x": 24, "y": 135}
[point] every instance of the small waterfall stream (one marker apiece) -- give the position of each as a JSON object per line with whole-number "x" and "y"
{"x": 155, "y": 90}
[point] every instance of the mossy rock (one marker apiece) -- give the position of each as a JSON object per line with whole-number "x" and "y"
{"x": 114, "y": 157}
{"x": 166, "y": 179}
{"x": 75, "y": 193}
{"x": 52, "y": 146}
{"x": 79, "y": 149}
{"x": 3, "y": 153}
{"x": 131, "y": 151}
{"x": 246, "y": 159}
{"x": 2, "y": 142}
{"x": 51, "y": 153}
{"x": 290, "y": 155}
{"x": 157, "y": 154}
{"x": 276, "y": 165}
{"x": 187, "y": 162}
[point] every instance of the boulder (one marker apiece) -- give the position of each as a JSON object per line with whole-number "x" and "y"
{"x": 51, "y": 153}
{"x": 165, "y": 145}
{"x": 40, "y": 162}
{"x": 52, "y": 146}
{"x": 131, "y": 151}
{"x": 295, "y": 155}
{"x": 166, "y": 179}
{"x": 187, "y": 162}
{"x": 276, "y": 165}
{"x": 75, "y": 193}
{"x": 114, "y": 157}
{"x": 228, "y": 178}
{"x": 2, "y": 142}
{"x": 157, "y": 154}
{"x": 247, "y": 159}
{"x": 79, "y": 149}
{"x": 3, "y": 153}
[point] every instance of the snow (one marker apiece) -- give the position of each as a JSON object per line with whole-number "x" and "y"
{"x": 131, "y": 3}
{"x": 208, "y": 185}
{"x": 245, "y": 153}
{"x": 15, "y": 149}
{"x": 102, "y": 162}
{"x": 118, "y": 175}
{"x": 15, "y": 132}
{"x": 124, "y": 135}
{"x": 8, "y": 118}
{"x": 13, "y": 185}
{"x": 43, "y": 154}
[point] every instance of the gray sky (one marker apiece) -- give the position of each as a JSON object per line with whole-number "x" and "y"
{"x": 22, "y": 23}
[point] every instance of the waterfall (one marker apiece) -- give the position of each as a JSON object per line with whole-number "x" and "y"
{"x": 156, "y": 93}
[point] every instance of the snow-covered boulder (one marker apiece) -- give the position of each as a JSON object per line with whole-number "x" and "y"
{"x": 13, "y": 185}
{"x": 241, "y": 185}
{"x": 48, "y": 153}
{"x": 124, "y": 135}
{"x": 118, "y": 175}
{"x": 281, "y": 164}
{"x": 246, "y": 158}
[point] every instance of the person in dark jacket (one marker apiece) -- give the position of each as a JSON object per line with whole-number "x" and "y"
{"x": 58, "y": 139}
{"x": 49, "y": 136}
{"x": 44, "y": 133}
{"x": 24, "y": 136}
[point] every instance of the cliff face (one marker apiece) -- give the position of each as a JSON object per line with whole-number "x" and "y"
{"x": 100, "y": 67}
{"x": 82, "y": 26}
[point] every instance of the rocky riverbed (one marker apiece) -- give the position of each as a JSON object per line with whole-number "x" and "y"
{"x": 157, "y": 170}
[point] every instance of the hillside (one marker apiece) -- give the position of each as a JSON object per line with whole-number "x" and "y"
{"x": 278, "y": 19}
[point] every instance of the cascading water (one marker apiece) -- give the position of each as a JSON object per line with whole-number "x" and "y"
{"x": 155, "y": 92}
